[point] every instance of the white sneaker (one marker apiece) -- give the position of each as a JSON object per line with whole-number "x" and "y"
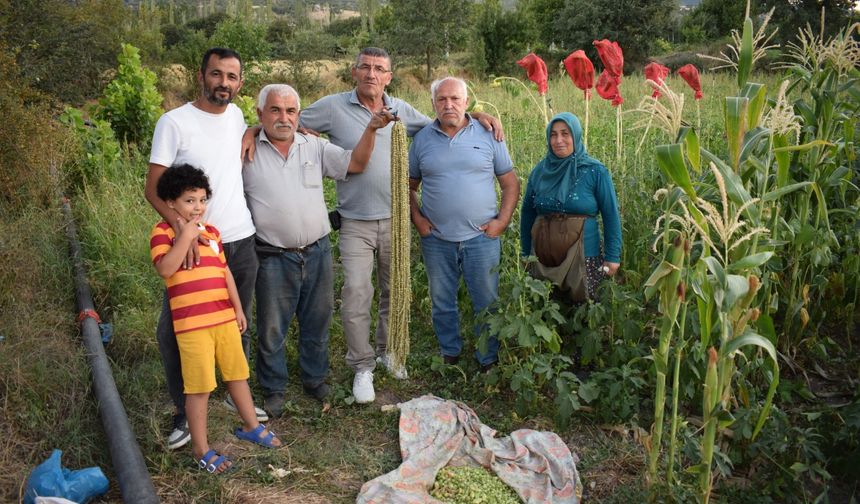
{"x": 397, "y": 371}
{"x": 180, "y": 436}
{"x": 262, "y": 416}
{"x": 362, "y": 387}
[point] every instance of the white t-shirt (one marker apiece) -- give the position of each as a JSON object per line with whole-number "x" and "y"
{"x": 211, "y": 142}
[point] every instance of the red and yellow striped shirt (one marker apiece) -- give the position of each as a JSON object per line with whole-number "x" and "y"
{"x": 198, "y": 297}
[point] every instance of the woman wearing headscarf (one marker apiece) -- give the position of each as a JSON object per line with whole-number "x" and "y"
{"x": 558, "y": 223}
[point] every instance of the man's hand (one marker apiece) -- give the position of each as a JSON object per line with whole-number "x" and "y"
{"x": 422, "y": 225}
{"x": 381, "y": 119}
{"x": 491, "y": 123}
{"x": 249, "y": 143}
{"x": 494, "y": 228}
{"x": 610, "y": 268}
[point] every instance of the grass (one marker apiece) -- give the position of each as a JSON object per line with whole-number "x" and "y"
{"x": 44, "y": 382}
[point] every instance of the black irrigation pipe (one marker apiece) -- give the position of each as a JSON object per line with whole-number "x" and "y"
{"x": 134, "y": 481}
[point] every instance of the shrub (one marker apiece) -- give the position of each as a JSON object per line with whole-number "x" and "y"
{"x": 131, "y": 102}
{"x": 29, "y": 145}
{"x": 247, "y": 39}
{"x": 99, "y": 149}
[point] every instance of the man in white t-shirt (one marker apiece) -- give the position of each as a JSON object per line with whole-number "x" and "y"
{"x": 206, "y": 134}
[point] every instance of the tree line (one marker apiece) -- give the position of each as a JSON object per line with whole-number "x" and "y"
{"x": 55, "y": 39}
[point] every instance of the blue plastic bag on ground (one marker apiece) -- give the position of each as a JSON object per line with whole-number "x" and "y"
{"x": 50, "y": 479}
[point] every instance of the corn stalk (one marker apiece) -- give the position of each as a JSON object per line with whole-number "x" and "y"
{"x": 668, "y": 280}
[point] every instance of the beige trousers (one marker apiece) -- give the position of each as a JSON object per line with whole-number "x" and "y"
{"x": 363, "y": 245}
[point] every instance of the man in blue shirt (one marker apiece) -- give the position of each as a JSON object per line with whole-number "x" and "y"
{"x": 458, "y": 219}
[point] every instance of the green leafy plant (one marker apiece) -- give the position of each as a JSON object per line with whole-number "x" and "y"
{"x": 131, "y": 102}
{"x": 525, "y": 320}
{"x": 100, "y": 151}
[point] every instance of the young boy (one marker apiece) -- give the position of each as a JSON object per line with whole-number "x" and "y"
{"x": 207, "y": 313}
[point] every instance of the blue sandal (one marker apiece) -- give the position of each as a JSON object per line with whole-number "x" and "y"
{"x": 211, "y": 466}
{"x": 256, "y": 436}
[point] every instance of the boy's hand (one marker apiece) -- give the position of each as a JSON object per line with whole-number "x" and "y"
{"x": 241, "y": 321}
{"x": 192, "y": 229}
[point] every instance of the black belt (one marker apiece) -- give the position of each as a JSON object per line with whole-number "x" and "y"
{"x": 266, "y": 249}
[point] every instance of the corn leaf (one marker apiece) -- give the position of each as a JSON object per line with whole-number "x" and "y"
{"x": 757, "y": 94}
{"x": 848, "y": 135}
{"x": 804, "y": 147}
{"x": 691, "y": 142}
{"x": 735, "y": 112}
{"x": 765, "y": 327}
{"x": 745, "y": 56}
{"x": 768, "y": 401}
{"x": 751, "y": 338}
{"x": 716, "y": 269}
{"x": 653, "y": 283}
{"x": 734, "y": 186}
{"x": 822, "y": 205}
{"x": 751, "y": 261}
{"x": 783, "y": 160}
{"x": 737, "y": 287}
{"x": 779, "y": 193}
{"x": 751, "y": 140}
{"x": 671, "y": 161}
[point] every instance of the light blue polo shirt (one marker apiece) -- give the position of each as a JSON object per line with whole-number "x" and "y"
{"x": 363, "y": 196}
{"x": 458, "y": 176}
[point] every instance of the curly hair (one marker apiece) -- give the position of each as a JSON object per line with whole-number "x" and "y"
{"x": 180, "y": 178}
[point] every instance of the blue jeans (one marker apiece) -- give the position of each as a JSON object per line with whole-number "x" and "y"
{"x": 242, "y": 261}
{"x": 476, "y": 261}
{"x": 300, "y": 284}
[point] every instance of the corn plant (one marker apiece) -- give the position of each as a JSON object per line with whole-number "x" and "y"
{"x": 716, "y": 210}
{"x": 820, "y": 155}
{"x": 669, "y": 280}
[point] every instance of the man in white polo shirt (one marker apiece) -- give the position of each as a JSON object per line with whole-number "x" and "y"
{"x": 283, "y": 186}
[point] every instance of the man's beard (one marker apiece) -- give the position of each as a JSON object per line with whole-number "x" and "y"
{"x": 213, "y": 98}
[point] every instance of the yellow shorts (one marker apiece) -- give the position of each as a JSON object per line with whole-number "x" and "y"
{"x": 200, "y": 350}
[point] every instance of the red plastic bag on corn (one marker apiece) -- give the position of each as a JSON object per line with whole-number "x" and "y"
{"x": 690, "y": 73}
{"x": 607, "y": 88}
{"x": 611, "y": 56}
{"x": 535, "y": 70}
{"x": 656, "y": 72}
{"x": 581, "y": 71}
{"x": 613, "y": 65}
